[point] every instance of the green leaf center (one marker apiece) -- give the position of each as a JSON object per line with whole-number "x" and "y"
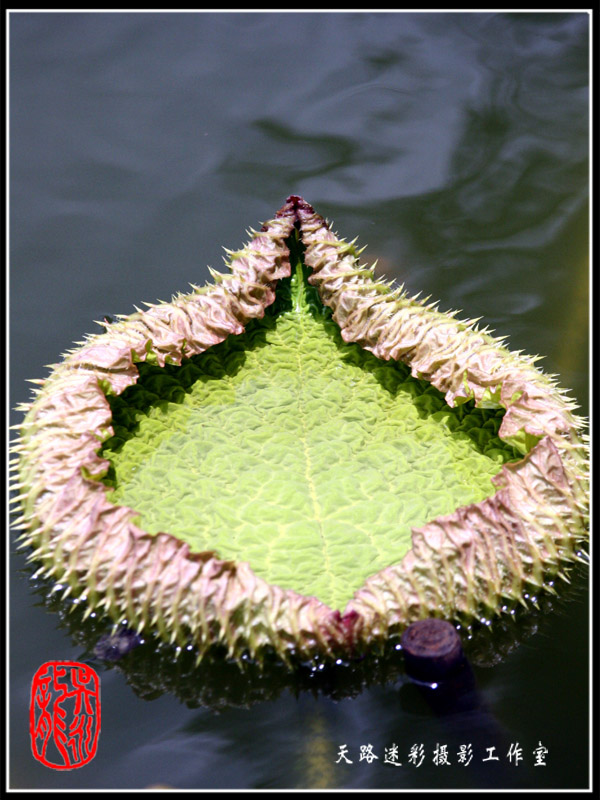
{"x": 309, "y": 458}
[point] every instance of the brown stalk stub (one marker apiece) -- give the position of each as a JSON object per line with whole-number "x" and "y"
{"x": 432, "y": 649}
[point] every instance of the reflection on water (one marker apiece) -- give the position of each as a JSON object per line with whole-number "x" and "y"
{"x": 454, "y": 144}
{"x": 244, "y": 714}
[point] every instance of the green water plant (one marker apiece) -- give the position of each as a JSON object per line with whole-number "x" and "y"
{"x": 299, "y": 458}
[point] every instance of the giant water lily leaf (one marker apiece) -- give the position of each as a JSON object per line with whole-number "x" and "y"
{"x": 299, "y": 457}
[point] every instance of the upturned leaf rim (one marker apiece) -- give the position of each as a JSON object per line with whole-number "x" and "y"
{"x": 472, "y": 564}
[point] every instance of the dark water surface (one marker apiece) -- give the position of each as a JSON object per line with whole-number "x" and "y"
{"x": 456, "y": 147}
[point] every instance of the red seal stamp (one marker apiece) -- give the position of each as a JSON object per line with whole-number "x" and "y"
{"x": 64, "y": 714}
